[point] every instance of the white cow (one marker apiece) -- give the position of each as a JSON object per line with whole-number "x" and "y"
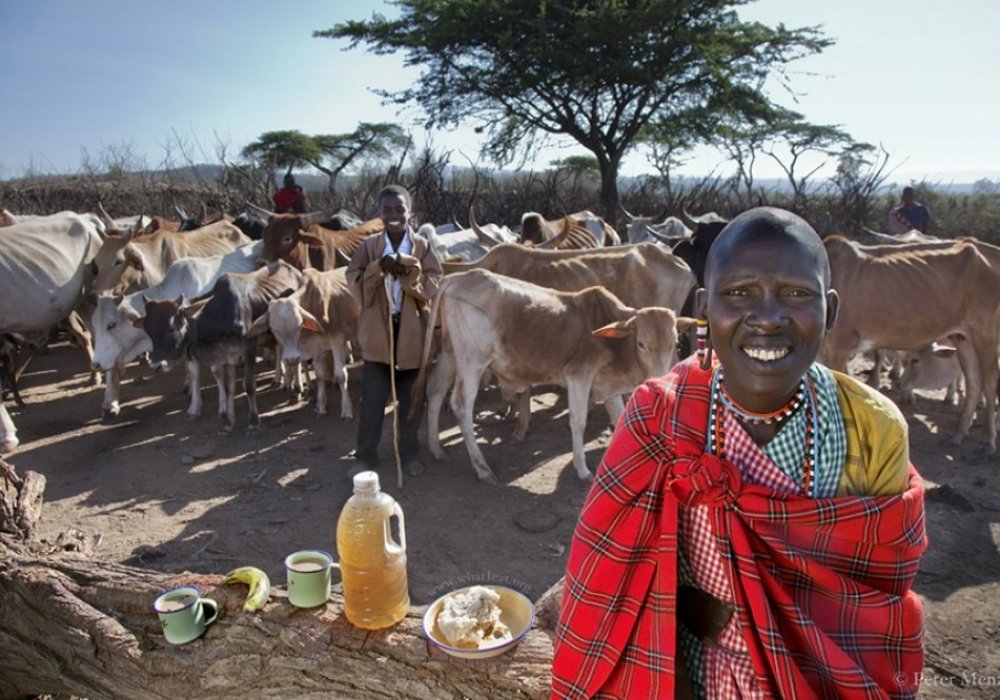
{"x": 118, "y": 334}
{"x": 587, "y": 341}
{"x": 43, "y": 272}
{"x": 466, "y": 244}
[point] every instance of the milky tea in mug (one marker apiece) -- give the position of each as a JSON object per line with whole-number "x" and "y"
{"x": 308, "y": 574}
{"x": 182, "y": 613}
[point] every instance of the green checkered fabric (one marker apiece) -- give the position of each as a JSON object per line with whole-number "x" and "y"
{"x": 788, "y": 448}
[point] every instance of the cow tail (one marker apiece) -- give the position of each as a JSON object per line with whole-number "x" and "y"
{"x": 419, "y": 385}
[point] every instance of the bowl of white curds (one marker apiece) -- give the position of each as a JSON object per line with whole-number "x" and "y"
{"x": 478, "y": 622}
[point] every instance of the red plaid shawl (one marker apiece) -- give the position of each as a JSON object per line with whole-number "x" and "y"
{"x": 822, "y": 586}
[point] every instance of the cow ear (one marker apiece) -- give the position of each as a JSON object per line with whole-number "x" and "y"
{"x": 134, "y": 258}
{"x": 310, "y": 323}
{"x": 618, "y": 329}
{"x": 260, "y": 325}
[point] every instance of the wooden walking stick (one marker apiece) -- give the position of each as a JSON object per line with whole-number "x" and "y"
{"x": 392, "y": 384}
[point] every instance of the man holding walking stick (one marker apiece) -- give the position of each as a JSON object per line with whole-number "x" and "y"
{"x": 394, "y": 276}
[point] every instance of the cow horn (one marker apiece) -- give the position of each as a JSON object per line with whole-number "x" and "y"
{"x": 260, "y": 211}
{"x": 709, "y": 218}
{"x": 483, "y": 237}
{"x": 307, "y": 220}
{"x": 341, "y": 259}
{"x": 631, "y": 217}
{"x": 665, "y": 240}
{"x": 105, "y": 217}
{"x": 560, "y": 238}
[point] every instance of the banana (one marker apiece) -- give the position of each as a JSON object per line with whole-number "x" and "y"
{"x": 257, "y": 580}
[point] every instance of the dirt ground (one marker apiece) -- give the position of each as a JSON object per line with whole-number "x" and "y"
{"x": 154, "y": 490}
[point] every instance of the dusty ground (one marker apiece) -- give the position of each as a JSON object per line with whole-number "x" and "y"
{"x": 167, "y": 494}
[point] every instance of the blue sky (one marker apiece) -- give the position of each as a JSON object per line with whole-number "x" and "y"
{"x": 89, "y": 76}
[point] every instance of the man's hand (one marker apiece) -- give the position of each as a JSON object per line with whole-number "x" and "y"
{"x": 390, "y": 265}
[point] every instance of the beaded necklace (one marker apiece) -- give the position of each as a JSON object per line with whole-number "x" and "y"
{"x": 806, "y": 395}
{"x": 747, "y": 416}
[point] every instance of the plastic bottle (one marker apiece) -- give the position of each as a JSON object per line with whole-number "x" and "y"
{"x": 372, "y": 563}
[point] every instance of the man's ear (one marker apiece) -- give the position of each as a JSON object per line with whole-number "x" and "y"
{"x": 832, "y": 306}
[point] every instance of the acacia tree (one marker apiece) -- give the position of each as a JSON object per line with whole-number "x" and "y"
{"x": 596, "y": 71}
{"x": 368, "y": 141}
{"x": 331, "y": 154}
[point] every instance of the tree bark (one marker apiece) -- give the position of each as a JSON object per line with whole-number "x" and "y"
{"x": 77, "y": 626}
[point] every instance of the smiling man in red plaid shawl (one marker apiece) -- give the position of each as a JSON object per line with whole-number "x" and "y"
{"x": 755, "y": 527}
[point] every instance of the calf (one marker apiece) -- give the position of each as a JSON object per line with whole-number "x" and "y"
{"x": 320, "y": 317}
{"x": 214, "y": 330}
{"x": 587, "y": 341}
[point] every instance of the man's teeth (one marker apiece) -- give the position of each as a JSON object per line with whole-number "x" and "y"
{"x": 766, "y": 354}
{"x": 396, "y": 223}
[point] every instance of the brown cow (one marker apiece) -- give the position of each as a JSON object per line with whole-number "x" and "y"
{"x": 299, "y": 240}
{"x": 908, "y": 300}
{"x": 587, "y": 341}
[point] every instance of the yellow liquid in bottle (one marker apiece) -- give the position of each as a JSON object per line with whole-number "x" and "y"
{"x": 372, "y": 564}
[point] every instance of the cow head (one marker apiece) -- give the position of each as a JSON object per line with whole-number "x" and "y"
{"x": 652, "y": 334}
{"x": 118, "y": 335}
{"x": 283, "y": 235}
{"x": 118, "y": 264}
{"x": 171, "y": 327}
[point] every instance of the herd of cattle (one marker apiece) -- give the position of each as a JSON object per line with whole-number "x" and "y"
{"x": 564, "y": 302}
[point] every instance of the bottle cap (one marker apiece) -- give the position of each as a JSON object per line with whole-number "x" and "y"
{"x": 366, "y": 482}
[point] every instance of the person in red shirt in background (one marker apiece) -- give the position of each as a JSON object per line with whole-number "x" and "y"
{"x": 291, "y": 198}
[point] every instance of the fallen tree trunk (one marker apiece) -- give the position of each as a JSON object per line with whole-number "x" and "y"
{"x": 73, "y": 625}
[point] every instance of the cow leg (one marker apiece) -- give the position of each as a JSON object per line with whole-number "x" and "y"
{"x": 78, "y": 330}
{"x": 222, "y": 386}
{"x": 986, "y": 354}
{"x": 969, "y": 362}
{"x": 340, "y": 376}
{"x": 439, "y": 380}
{"x": 320, "y": 368}
{"x": 278, "y": 380}
{"x": 230, "y": 375}
{"x": 615, "y": 406}
{"x": 578, "y": 396}
{"x": 112, "y": 384}
{"x": 523, "y": 414}
{"x": 8, "y": 433}
{"x": 193, "y": 372}
{"x": 250, "y": 387}
{"x": 463, "y": 399}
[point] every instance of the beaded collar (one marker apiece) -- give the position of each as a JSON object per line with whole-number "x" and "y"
{"x": 721, "y": 401}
